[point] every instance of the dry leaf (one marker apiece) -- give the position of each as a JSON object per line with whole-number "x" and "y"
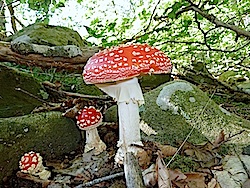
{"x": 196, "y": 180}
{"x": 176, "y": 175}
{"x": 143, "y": 158}
{"x": 149, "y": 176}
{"x": 203, "y": 154}
{"x": 213, "y": 184}
{"x": 220, "y": 138}
{"x": 162, "y": 174}
{"x": 167, "y": 150}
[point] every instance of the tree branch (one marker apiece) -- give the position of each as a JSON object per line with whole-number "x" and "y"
{"x": 151, "y": 17}
{"x": 216, "y": 21}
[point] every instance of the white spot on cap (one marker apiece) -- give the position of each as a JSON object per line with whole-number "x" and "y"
{"x": 136, "y": 53}
{"x": 133, "y": 60}
{"x": 120, "y": 51}
{"x": 152, "y": 61}
{"x": 147, "y": 49}
{"x": 125, "y": 59}
{"x": 111, "y": 54}
{"x": 117, "y": 59}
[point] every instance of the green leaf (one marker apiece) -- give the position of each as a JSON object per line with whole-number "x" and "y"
{"x": 111, "y": 26}
{"x": 175, "y": 8}
{"x": 199, "y": 17}
{"x": 213, "y": 2}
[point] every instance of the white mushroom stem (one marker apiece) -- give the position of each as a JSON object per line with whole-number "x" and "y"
{"x": 93, "y": 141}
{"x": 43, "y": 173}
{"x": 129, "y": 119}
{"x": 128, "y": 95}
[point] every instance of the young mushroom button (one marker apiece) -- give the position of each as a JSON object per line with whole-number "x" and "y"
{"x": 89, "y": 119}
{"x": 115, "y": 72}
{"x": 31, "y": 163}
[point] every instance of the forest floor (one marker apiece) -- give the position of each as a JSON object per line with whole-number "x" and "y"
{"x": 77, "y": 169}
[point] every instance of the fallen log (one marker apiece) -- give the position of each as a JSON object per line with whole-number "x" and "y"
{"x": 61, "y": 63}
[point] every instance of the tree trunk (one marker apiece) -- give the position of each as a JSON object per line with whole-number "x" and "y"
{"x": 2, "y": 22}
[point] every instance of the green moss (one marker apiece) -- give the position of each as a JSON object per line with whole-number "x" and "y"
{"x": 49, "y": 35}
{"x": 171, "y": 128}
{"x": 89, "y": 90}
{"x": 47, "y": 133}
{"x": 182, "y": 163}
{"x": 13, "y": 102}
{"x": 152, "y": 81}
{"x": 227, "y": 75}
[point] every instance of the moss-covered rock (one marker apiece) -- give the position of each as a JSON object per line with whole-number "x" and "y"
{"x": 48, "y": 40}
{"x": 15, "y": 102}
{"x": 49, "y": 134}
{"x": 49, "y": 35}
{"x": 173, "y": 108}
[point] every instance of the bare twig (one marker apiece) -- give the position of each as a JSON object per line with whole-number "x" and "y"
{"x": 31, "y": 95}
{"x": 152, "y": 15}
{"x": 71, "y": 94}
{"x": 216, "y": 21}
{"x": 105, "y": 178}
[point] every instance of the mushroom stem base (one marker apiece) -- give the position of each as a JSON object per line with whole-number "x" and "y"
{"x": 93, "y": 141}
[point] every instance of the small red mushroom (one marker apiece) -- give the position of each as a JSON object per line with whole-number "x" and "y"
{"x": 115, "y": 72}
{"x": 89, "y": 119}
{"x": 31, "y": 163}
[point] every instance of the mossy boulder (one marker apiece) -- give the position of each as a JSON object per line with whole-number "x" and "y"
{"x": 15, "y": 102}
{"x": 49, "y": 134}
{"x": 49, "y": 35}
{"x": 49, "y": 40}
{"x": 173, "y": 108}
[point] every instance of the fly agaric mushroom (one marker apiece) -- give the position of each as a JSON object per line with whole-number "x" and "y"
{"x": 31, "y": 163}
{"x": 115, "y": 72}
{"x": 89, "y": 119}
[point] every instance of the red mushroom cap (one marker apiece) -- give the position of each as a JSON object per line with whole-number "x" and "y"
{"x": 124, "y": 62}
{"x": 30, "y": 162}
{"x": 88, "y": 118}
